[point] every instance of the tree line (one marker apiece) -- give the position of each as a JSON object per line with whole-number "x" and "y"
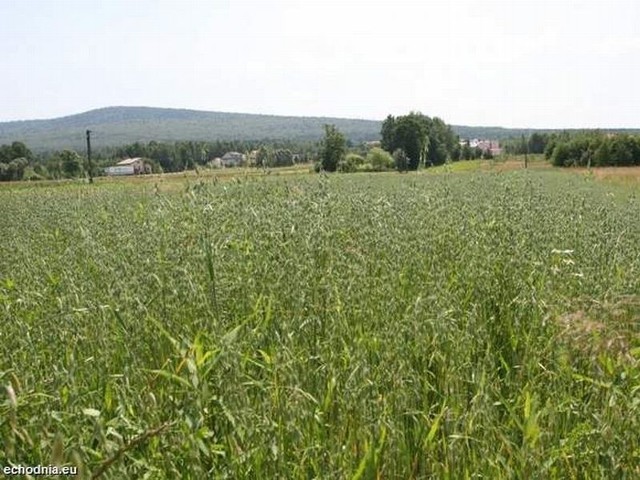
{"x": 186, "y": 155}
{"x": 18, "y": 162}
{"x": 581, "y": 149}
{"x": 407, "y": 142}
{"x": 594, "y": 150}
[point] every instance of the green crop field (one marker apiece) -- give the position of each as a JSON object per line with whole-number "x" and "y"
{"x": 480, "y": 324}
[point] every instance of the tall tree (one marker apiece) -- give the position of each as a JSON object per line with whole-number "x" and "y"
{"x": 334, "y": 148}
{"x": 20, "y": 150}
{"x": 70, "y": 163}
{"x": 537, "y": 142}
{"x": 411, "y": 135}
{"x": 442, "y": 141}
{"x": 423, "y": 139}
{"x": 388, "y": 134}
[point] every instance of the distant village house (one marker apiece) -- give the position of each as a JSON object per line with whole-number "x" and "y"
{"x": 128, "y": 166}
{"x": 492, "y": 146}
{"x": 232, "y": 159}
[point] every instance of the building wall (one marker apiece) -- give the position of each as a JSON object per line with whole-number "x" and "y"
{"x": 120, "y": 170}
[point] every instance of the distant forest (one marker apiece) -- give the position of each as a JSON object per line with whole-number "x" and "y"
{"x": 408, "y": 142}
{"x": 118, "y": 126}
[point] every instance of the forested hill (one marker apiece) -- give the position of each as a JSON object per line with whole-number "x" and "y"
{"x": 123, "y": 125}
{"x": 115, "y": 126}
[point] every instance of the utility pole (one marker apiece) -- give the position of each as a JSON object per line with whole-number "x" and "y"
{"x": 525, "y": 146}
{"x": 89, "y": 156}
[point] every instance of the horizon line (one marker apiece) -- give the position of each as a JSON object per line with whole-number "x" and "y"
{"x": 195, "y": 110}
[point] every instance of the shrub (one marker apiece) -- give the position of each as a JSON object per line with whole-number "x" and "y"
{"x": 401, "y": 160}
{"x": 350, "y": 163}
{"x": 379, "y": 159}
{"x": 366, "y": 167}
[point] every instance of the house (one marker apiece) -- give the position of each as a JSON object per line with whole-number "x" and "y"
{"x": 215, "y": 163}
{"x": 128, "y": 166}
{"x": 492, "y": 146}
{"x": 232, "y": 159}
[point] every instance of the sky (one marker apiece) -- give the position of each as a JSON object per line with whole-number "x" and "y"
{"x": 511, "y": 63}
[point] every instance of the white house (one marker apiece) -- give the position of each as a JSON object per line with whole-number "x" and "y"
{"x": 492, "y": 146}
{"x": 232, "y": 159}
{"x": 128, "y": 166}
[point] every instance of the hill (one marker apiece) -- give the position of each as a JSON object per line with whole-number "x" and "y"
{"x": 114, "y": 126}
{"x": 122, "y": 125}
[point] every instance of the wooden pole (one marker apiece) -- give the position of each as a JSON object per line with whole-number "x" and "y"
{"x": 89, "y": 156}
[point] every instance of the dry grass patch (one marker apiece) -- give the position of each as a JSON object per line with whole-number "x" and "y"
{"x": 625, "y": 175}
{"x": 610, "y": 328}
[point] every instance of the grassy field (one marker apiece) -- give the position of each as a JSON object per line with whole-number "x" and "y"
{"x": 452, "y": 324}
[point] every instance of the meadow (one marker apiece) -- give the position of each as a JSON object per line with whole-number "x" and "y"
{"x": 473, "y": 324}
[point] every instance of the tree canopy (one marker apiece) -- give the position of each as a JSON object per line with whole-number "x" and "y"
{"x": 334, "y": 148}
{"x": 424, "y": 140}
{"x": 14, "y": 160}
{"x": 594, "y": 149}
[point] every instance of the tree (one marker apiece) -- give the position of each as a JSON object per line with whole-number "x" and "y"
{"x": 264, "y": 157}
{"x": 411, "y": 136}
{"x": 423, "y": 139}
{"x": 14, "y": 159}
{"x": 537, "y": 143}
{"x": 466, "y": 153}
{"x": 442, "y": 141}
{"x": 350, "y": 163}
{"x": 163, "y": 153}
{"x": 16, "y": 150}
{"x": 68, "y": 163}
{"x": 14, "y": 170}
{"x": 5, "y": 154}
{"x": 5, "y": 175}
{"x": 20, "y": 150}
{"x": 456, "y": 153}
{"x": 379, "y": 159}
{"x": 282, "y": 157}
{"x": 622, "y": 150}
{"x": 388, "y": 134}
{"x": 551, "y": 145}
{"x": 562, "y": 155}
{"x": 334, "y": 148}
{"x": 400, "y": 160}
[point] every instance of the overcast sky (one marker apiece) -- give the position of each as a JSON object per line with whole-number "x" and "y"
{"x": 512, "y": 63}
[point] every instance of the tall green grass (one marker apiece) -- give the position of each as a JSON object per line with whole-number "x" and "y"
{"x": 479, "y": 325}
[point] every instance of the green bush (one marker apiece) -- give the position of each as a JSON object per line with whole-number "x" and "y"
{"x": 401, "y": 160}
{"x": 379, "y": 159}
{"x": 31, "y": 174}
{"x": 594, "y": 149}
{"x": 350, "y": 163}
{"x": 366, "y": 167}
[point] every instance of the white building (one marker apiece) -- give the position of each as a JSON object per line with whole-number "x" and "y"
{"x": 232, "y": 159}
{"x": 128, "y": 166}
